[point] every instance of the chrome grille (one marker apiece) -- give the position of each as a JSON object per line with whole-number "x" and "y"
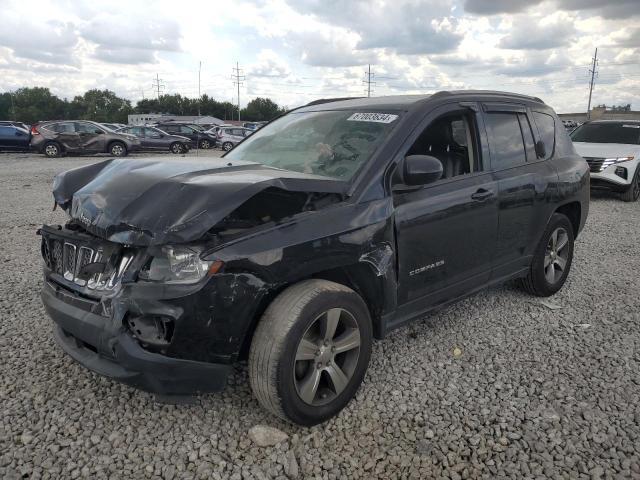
{"x": 68, "y": 259}
{"x": 595, "y": 164}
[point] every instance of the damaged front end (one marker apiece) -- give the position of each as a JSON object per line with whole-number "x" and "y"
{"x": 135, "y": 281}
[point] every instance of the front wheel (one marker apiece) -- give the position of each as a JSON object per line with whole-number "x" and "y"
{"x": 552, "y": 259}
{"x": 310, "y": 351}
{"x": 118, "y": 149}
{"x": 176, "y": 148}
{"x": 205, "y": 144}
{"x": 633, "y": 192}
{"x": 226, "y": 146}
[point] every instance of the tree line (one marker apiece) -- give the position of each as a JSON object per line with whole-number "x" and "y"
{"x": 33, "y": 104}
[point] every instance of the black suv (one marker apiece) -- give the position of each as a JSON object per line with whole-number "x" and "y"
{"x": 332, "y": 225}
{"x": 198, "y": 136}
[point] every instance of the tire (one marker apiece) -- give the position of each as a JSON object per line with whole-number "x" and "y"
{"x": 226, "y": 146}
{"x": 633, "y": 192}
{"x": 551, "y": 265}
{"x": 176, "y": 148}
{"x": 205, "y": 144}
{"x": 51, "y": 150}
{"x": 279, "y": 380}
{"x": 118, "y": 149}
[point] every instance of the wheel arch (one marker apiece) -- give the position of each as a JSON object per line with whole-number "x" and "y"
{"x": 573, "y": 211}
{"x": 359, "y": 277}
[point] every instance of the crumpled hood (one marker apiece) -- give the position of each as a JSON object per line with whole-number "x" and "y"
{"x": 155, "y": 201}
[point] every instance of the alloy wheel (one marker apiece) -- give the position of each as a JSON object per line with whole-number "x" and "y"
{"x": 227, "y": 146}
{"x": 204, "y": 144}
{"x": 326, "y": 357}
{"x": 176, "y": 148}
{"x": 556, "y": 255}
{"x": 117, "y": 150}
{"x": 51, "y": 150}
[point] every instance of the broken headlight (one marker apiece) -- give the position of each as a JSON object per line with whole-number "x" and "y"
{"x": 177, "y": 265}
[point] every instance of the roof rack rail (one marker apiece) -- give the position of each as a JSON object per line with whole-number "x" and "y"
{"x": 329, "y": 100}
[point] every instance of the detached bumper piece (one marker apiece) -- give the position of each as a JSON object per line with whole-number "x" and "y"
{"x": 104, "y": 346}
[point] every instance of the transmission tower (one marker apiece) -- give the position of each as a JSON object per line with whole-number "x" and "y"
{"x": 593, "y": 71}
{"x": 158, "y": 86}
{"x": 368, "y": 75}
{"x": 237, "y": 79}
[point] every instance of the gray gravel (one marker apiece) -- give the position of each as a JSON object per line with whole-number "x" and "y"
{"x": 496, "y": 386}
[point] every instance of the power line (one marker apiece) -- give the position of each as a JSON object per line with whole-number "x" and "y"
{"x": 592, "y": 71}
{"x": 158, "y": 85}
{"x": 237, "y": 78}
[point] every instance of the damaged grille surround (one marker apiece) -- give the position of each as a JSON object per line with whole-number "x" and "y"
{"x": 85, "y": 262}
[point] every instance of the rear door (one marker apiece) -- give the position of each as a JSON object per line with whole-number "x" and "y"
{"x": 524, "y": 184}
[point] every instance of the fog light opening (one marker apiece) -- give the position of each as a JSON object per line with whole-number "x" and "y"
{"x": 151, "y": 330}
{"x": 621, "y": 172}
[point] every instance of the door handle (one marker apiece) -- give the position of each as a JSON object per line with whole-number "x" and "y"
{"x": 481, "y": 195}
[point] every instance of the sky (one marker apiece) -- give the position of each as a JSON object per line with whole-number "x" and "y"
{"x": 295, "y": 51}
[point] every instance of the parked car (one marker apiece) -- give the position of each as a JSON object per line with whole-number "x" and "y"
{"x": 14, "y": 137}
{"x": 229, "y": 137}
{"x": 612, "y": 150}
{"x": 11, "y": 123}
{"x": 154, "y": 139}
{"x": 55, "y": 138}
{"x": 113, "y": 126}
{"x": 334, "y": 224}
{"x": 253, "y": 125}
{"x": 198, "y": 136}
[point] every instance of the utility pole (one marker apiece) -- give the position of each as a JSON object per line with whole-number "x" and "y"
{"x": 368, "y": 80}
{"x": 158, "y": 85}
{"x": 237, "y": 78}
{"x": 593, "y": 73}
{"x": 199, "y": 97}
{"x": 13, "y": 107}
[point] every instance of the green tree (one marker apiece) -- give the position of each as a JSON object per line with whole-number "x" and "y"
{"x": 100, "y": 106}
{"x": 261, "y": 109}
{"x": 36, "y": 104}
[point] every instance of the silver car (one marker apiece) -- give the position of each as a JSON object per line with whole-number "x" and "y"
{"x": 229, "y": 137}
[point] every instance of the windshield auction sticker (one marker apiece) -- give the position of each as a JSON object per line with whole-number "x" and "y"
{"x": 373, "y": 117}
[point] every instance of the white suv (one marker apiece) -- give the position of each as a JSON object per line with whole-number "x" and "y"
{"x": 612, "y": 150}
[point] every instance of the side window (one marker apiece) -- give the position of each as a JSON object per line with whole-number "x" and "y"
{"x": 546, "y": 129}
{"x": 185, "y": 129}
{"x": 452, "y": 139}
{"x": 529, "y": 144}
{"x": 87, "y": 128}
{"x": 5, "y": 131}
{"x": 63, "y": 127}
{"x": 505, "y": 140}
{"x": 149, "y": 132}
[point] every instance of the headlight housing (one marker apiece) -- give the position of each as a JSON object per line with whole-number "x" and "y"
{"x": 178, "y": 264}
{"x": 615, "y": 160}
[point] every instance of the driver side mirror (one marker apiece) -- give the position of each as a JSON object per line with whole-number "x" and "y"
{"x": 421, "y": 170}
{"x": 541, "y": 150}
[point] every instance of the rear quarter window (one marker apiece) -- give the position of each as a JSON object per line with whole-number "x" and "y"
{"x": 547, "y": 131}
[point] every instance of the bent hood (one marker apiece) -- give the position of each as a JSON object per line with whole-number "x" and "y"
{"x": 155, "y": 201}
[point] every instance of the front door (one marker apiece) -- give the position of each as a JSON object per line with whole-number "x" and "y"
{"x": 446, "y": 231}
{"x": 91, "y": 137}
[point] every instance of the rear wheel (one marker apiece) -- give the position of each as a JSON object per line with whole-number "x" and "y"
{"x": 226, "y": 146}
{"x": 633, "y": 192}
{"x": 176, "y": 147}
{"x": 118, "y": 149}
{"x": 552, "y": 259}
{"x": 51, "y": 150}
{"x": 310, "y": 351}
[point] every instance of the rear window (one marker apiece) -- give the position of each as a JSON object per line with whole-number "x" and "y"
{"x": 547, "y": 130}
{"x": 614, "y": 132}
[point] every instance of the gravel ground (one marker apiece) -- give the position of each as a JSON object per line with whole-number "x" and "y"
{"x": 496, "y": 386}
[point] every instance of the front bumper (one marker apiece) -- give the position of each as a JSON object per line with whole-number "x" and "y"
{"x": 92, "y": 341}
{"x": 608, "y": 178}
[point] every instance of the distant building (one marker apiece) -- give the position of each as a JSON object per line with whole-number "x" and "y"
{"x": 602, "y": 113}
{"x": 145, "y": 118}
